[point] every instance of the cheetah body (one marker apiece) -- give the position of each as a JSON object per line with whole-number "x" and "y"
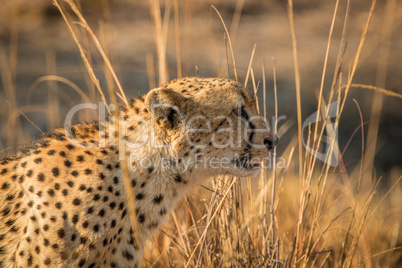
{"x": 63, "y": 201}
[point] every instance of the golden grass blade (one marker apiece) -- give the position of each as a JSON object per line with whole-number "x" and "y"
{"x": 210, "y": 220}
{"x": 378, "y": 89}
{"x": 230, "y": 42}
{"x": 358, "y": 54}
{"x": 177, "y": 36}
{"x": 249, "y": 65}
{"x": 84, "y": 58}
{"x": 160, "y": 38}
{"x": 325, "y": 69}
{"x": 297, "y": 84}
{"x": 95, "y": 40}
{"x": 57, "y": 79}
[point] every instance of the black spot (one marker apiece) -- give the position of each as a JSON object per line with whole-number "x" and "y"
{"x": 139, "y": 196}
{"x": 45, "y": 227}
{"x": 116, "y": 180}
{"x": 150, "y": 169}
{"x": 81, "y": 263}
{"x": 96, "y": 228}
{"x": 57, "y": 186}
{"x": 51, "y": 152}
{"x": 177, "y": 178}
{"x": 38, "y": 160}
{"x": 82, "y": 187}
{"x": 67, "y": 163}
{"x": 99, "y": 162}
{"x": 87, "y": 171}
{"x": 163, "y": 211}
{"x": 158, "y": 199}
{"x": 80, "y": 158}
{"x": 70, "y": 183}
{"x": 5, "y": 186}
{"x": 70, "y": 146}
{"x": 76, "y": 201}
{"x": 141, "y": 217}
{"x": 23, "y": 164}
{"x": 96, "y": 197}
{"x": 127, "y": 255}
{"x": 4, "y": 171}
{"x": 112, "y": 205}
{"x": 55, "y": 171}
{"x": 90, "y": 210}
{"x": 47, "y": 261}
{"x": 62, "y": 154}
{"x": 124, "y": 213}
{"x": 29, "y": 173}
{"x": 50, "y": 192}
{"x": 61, "y": 233}
{"x": 133, "y": 183}
{"x": 75, "y": 219}
{"x": 113, "y": 223}
{"x": 85, "y": 224}
{"x": 74, "y": 173}
{"x": 102, "y": 212}
{"x": 10, "y": 197}
{"x": 64, "y": 192}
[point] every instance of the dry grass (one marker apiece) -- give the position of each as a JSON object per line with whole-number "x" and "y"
{"x": 301, "y": 213}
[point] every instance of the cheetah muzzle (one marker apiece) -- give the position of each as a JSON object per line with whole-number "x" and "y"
{"x": 62, "y": 199}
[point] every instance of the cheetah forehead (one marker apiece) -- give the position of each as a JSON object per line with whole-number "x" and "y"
{"x": 215, "y": 92}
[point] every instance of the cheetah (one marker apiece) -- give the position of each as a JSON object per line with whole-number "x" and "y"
{"x": 62, "y": 199}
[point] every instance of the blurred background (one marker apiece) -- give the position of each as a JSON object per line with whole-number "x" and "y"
{"x": 35, "y": 42}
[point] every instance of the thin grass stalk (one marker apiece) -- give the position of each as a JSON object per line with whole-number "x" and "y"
{"x": 177, "y": 36}
{"x": 150, "y": 71}
{"x": 84, "y": 58}
{"x": 324, "y": 71}
{"x": 272, "y": 211}
{"x": 160, "y": 43}
{"x": 53, "y": 102}
{"x": 95, "y": 40}
{"x": 297, "y": 84}
{"x": 230, "y": 42}
{"x": 377, "y": 100}
{"x": 210, "y": 220}
{"x": 358, "y": 54}
{"x": 60, "y": 93}
{"x": 234, "y": 26}
{"x": 249, "y": 65}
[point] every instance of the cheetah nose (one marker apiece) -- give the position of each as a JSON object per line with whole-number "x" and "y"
{"x": 271, "y": 142}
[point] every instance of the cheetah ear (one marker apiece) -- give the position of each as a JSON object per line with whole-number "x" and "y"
{"x": 166, "y": 106}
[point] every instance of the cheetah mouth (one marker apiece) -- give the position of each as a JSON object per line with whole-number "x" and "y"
{"x": 245, "y": 163}
{"x": 251, "y": 166}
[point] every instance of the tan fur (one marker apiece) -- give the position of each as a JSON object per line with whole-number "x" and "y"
{"x": 62, "y": 201}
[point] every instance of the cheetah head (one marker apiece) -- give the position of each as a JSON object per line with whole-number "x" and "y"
{"x": 211, "y": 125}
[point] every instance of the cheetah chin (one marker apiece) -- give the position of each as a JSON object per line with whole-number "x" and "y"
{"x": 63, "y": 200}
